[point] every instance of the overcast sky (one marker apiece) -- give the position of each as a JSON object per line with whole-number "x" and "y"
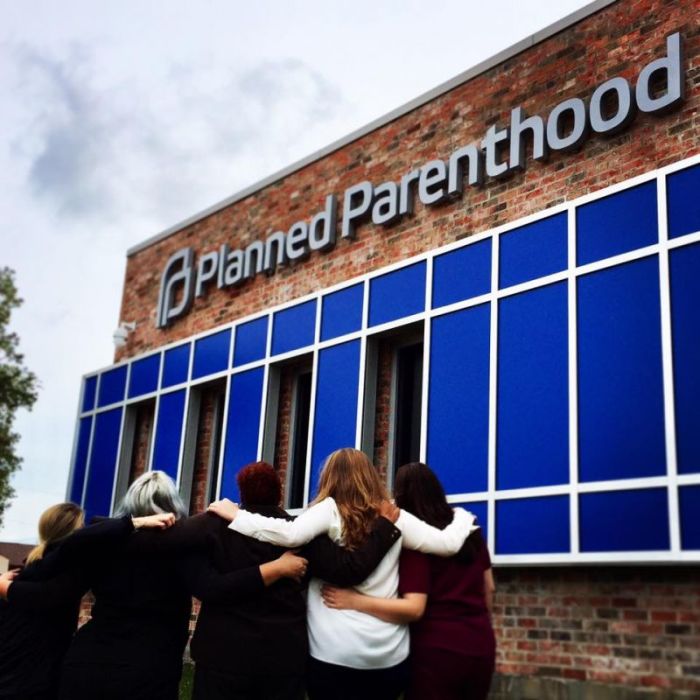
{"x": 119, "y": 119}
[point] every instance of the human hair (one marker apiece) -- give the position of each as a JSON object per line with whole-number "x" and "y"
{"x": 259, "y": 485}
{"x": 349, "y": 477}
{"x": 418, "y": 490}
{"x": 153, "y": 492}
{"x": 55, "y": 523}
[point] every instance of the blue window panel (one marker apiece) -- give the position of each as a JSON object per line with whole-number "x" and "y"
{"x": 112, "y": 386}
{"x": 683, "y": 194}
{"x": 533, "y": 525}
{"x": 89, "y": 391}
{"x": 689, "y": 500}
{"x": 462, "y": 274}
{"x": 294, "y": 328}
{"x": 251, "y": 342}
{"x": 533, "y": 398}
{"x": 176, "y": 364}
{"x": 336, "y": 403}
{"x": 242, "y": 428}
{"x": 620, "y": 385}
{"x": 458, "y": 399}
{"x": 103, "y": 463}
{"x": 617, "y": 224}
{"x": 685, "y": 317}
{"x": 211, "y": 354}
{"x": 624, "y": 521}
{"x": 342, "y": 312}
{"x": 397, "y": 294}
{"x": 166, "y": 449}
{"x": 536, "y": 250}
{"x": 80, "y": 464}
{"x": 480, "y": 510}
{"x": 144, "y": 376}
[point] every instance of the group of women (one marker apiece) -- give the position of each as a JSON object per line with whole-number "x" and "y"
{"x": 363, "y": 569}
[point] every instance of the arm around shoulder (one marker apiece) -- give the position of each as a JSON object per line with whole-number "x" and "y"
{"x": 425, "y": 538}
{"x": 314, "y": 521}
{"x": 345, "y": 567}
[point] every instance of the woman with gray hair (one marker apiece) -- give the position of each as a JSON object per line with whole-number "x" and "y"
{"x": 133, "y": 645}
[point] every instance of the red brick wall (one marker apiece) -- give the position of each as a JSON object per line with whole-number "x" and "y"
{"x": 284, "y": 426}
{"x": 632, "y": 626}
{"x": 620, "y": 39}
{"x": 142, "y": 439}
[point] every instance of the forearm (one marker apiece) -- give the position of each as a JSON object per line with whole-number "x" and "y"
{"x": 271, "y": 571}
{"x": 345, "y": 568}
{"x": 286, "y": 533}
{"x": 422, "y": 537}
{"x": 46, "y": 595}
{"x": 207, "y": 584}
{"x": 90, "y": 541}
{"x": 400, "y": 611}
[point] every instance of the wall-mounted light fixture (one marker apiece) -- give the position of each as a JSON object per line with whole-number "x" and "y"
{"x": 122, "y": 333}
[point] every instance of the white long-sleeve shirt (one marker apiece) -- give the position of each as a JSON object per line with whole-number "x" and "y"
{"x": 347, "y": 637}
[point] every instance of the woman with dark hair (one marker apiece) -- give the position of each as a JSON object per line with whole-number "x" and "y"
{"x": 36, "y": 630}
{"x": 352, "y": 655}
{"x": 447, "y": 600}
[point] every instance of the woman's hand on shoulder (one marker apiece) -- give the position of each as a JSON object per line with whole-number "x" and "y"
{"x": 339, "y": 598}
{"x": 159, "y": 521}
{"x": 226, "y": 509}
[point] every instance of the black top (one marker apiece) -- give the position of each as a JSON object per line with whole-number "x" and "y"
{"x": 143, "y": 593}
{"x": 143, "y": 583}
{"x": 36, "y": 623}
{"x": 266, "y": 633}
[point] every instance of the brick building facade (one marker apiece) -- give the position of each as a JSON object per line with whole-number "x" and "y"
{"x": 586, "y": 625}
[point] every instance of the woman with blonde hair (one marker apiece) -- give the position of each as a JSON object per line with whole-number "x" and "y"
{"x": 56, "y": 523}
{"x": 36, "y": 624}
{"x": 353, "y": 655}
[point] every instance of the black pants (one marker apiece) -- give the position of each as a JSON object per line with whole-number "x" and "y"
{"x": 210, "y": 684}
{"x": 330, "y": 682}
{"x": 118, "y": 682}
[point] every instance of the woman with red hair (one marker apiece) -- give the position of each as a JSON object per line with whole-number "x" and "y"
{"x": 268, "y": 631}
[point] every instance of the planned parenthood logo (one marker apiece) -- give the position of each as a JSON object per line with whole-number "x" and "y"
{"x": 612, "y": 107}
{"x": 175, "y": 295}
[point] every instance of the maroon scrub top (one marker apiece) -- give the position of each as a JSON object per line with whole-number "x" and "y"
{"x": 456, "y": 617}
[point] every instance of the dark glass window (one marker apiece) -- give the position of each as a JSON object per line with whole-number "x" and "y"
{"x": 202, "y": 451}
{"x": 409, "y": 392}
{"x": 300, "y": 440}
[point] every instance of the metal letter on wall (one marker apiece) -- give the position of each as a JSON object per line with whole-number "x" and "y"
{"x": 168, "y": 284}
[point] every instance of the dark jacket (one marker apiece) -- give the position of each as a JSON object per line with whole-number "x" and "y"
{"x": 143, "y": 594}
{"x": 266, "y": 633}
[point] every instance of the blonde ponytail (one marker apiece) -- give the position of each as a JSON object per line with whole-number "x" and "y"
{"x": 56, "y": 523}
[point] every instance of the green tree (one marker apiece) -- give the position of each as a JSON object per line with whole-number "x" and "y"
{"x": 18, "y": 387}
